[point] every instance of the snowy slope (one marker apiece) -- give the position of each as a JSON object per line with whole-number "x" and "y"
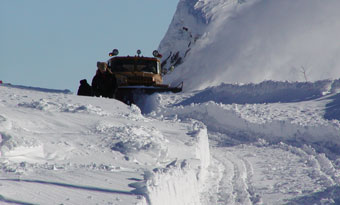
{"x": 215, "y": 41}
{"x": 58, "y": 148}
{"x": 269, "y": 143}
{"x": 277, "y": 145}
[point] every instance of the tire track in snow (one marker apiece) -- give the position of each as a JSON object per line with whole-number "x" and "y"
{"x": 235, "y": 185}
{"x": 275, "y": 151}
{"x": 270, "y": 174}
{"x": 254, "y": 197}
{"x": 279, "y": 173}
{"x": 225, "y": 186}
{"x": 242, "y": 196}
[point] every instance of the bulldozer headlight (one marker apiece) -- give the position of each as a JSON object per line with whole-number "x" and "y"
{"x": 114, "y": 52}
{"x": 156, "y": 54}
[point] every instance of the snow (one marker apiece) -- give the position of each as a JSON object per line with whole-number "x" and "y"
{"x": 269, "y": 143}
{"x": 110, "y": 152}
{"x": 258, "y": 123}
{"x": 255, "y": 130}
{"x": 260, "y": 112}
{"x": 68, "y": 149}
{"x": 242, "y": 41}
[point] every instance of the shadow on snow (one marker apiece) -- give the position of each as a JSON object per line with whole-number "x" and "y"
{"x": 333, "y": 108}
{"x": 12, "y": 201}
{"x": 88, "y": 188}
{"x": 265, "y": 92}
{"x": 330, "y": 195}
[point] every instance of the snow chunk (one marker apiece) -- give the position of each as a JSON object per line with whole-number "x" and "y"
{"x": 176, "y": 184}
{"x": 133, "y": 139}
{"x": 20, "y": 148}
{"x": 52, "y": 106}
{"x": 180, "y": 181}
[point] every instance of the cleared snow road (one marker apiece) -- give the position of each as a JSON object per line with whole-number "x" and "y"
{"x": 278, "y": 150}
{"x": 268, "y": 174}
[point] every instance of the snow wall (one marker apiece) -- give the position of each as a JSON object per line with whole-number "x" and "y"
{"x": 181, "y": 181}
{"x": 230, "y": 119}
{"x": 216, "y": 41}
{"x": 252, "y": 118}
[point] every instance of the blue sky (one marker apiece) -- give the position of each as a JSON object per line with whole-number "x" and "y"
{"x": 54, "y": 44}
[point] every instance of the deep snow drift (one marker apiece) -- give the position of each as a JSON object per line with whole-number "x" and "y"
{"x": 59, "y": 148}
{"x": 269, "y": 143}
{"x": 251, "y": 41}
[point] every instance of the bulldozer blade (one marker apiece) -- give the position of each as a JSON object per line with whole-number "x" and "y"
{"x": 130, "y": 94}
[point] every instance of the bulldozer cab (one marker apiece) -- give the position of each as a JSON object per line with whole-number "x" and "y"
{"x": 135, "y": 64}
{"x": 136, "y": 70}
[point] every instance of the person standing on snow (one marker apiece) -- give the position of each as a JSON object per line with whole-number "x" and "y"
{"x": 84, "y": 88}
{"x": 104, "y": 82}
{"x": 97, "y": 81}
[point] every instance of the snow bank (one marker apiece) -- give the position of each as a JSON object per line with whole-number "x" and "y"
{"x": 181, "y": 181}
{"x": 264, "y": 121}
{"x": 282, "y": 120}
{"x": 65, "y": 142}
{"x": 251, "y": 41}
{"x": 175, "y": 184}
{"x": 178, "y": 182}
{"x": 264, "y": 92}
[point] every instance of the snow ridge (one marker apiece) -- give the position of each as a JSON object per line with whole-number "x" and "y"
{"x": 274, "y": 111}
{"x": 181, "y": 181}
{"x": 264, "y": 92}
{"x": 246, "y": 121}
{"x": 107, "y": 153}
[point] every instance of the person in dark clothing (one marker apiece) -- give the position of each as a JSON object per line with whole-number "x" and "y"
{"x": 104, "y": 82}
{"x": 98, "y": 80}
{"x": 97, "y": 84}
{"x": 84, "y": 88}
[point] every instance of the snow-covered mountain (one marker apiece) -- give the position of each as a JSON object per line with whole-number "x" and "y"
{"x": 215, "y": 41}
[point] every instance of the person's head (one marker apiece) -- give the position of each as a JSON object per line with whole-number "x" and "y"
{"x": 102, "y": 66}
{"x": 83, "y": 82}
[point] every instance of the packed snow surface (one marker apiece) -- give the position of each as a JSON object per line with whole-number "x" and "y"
{"x": 58, "y": 148}
{"x": 269, "y": 143}
{"x": 215, "y": 41}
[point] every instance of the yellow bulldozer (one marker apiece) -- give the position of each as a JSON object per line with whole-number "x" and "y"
{"x": 138, "y": 75}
